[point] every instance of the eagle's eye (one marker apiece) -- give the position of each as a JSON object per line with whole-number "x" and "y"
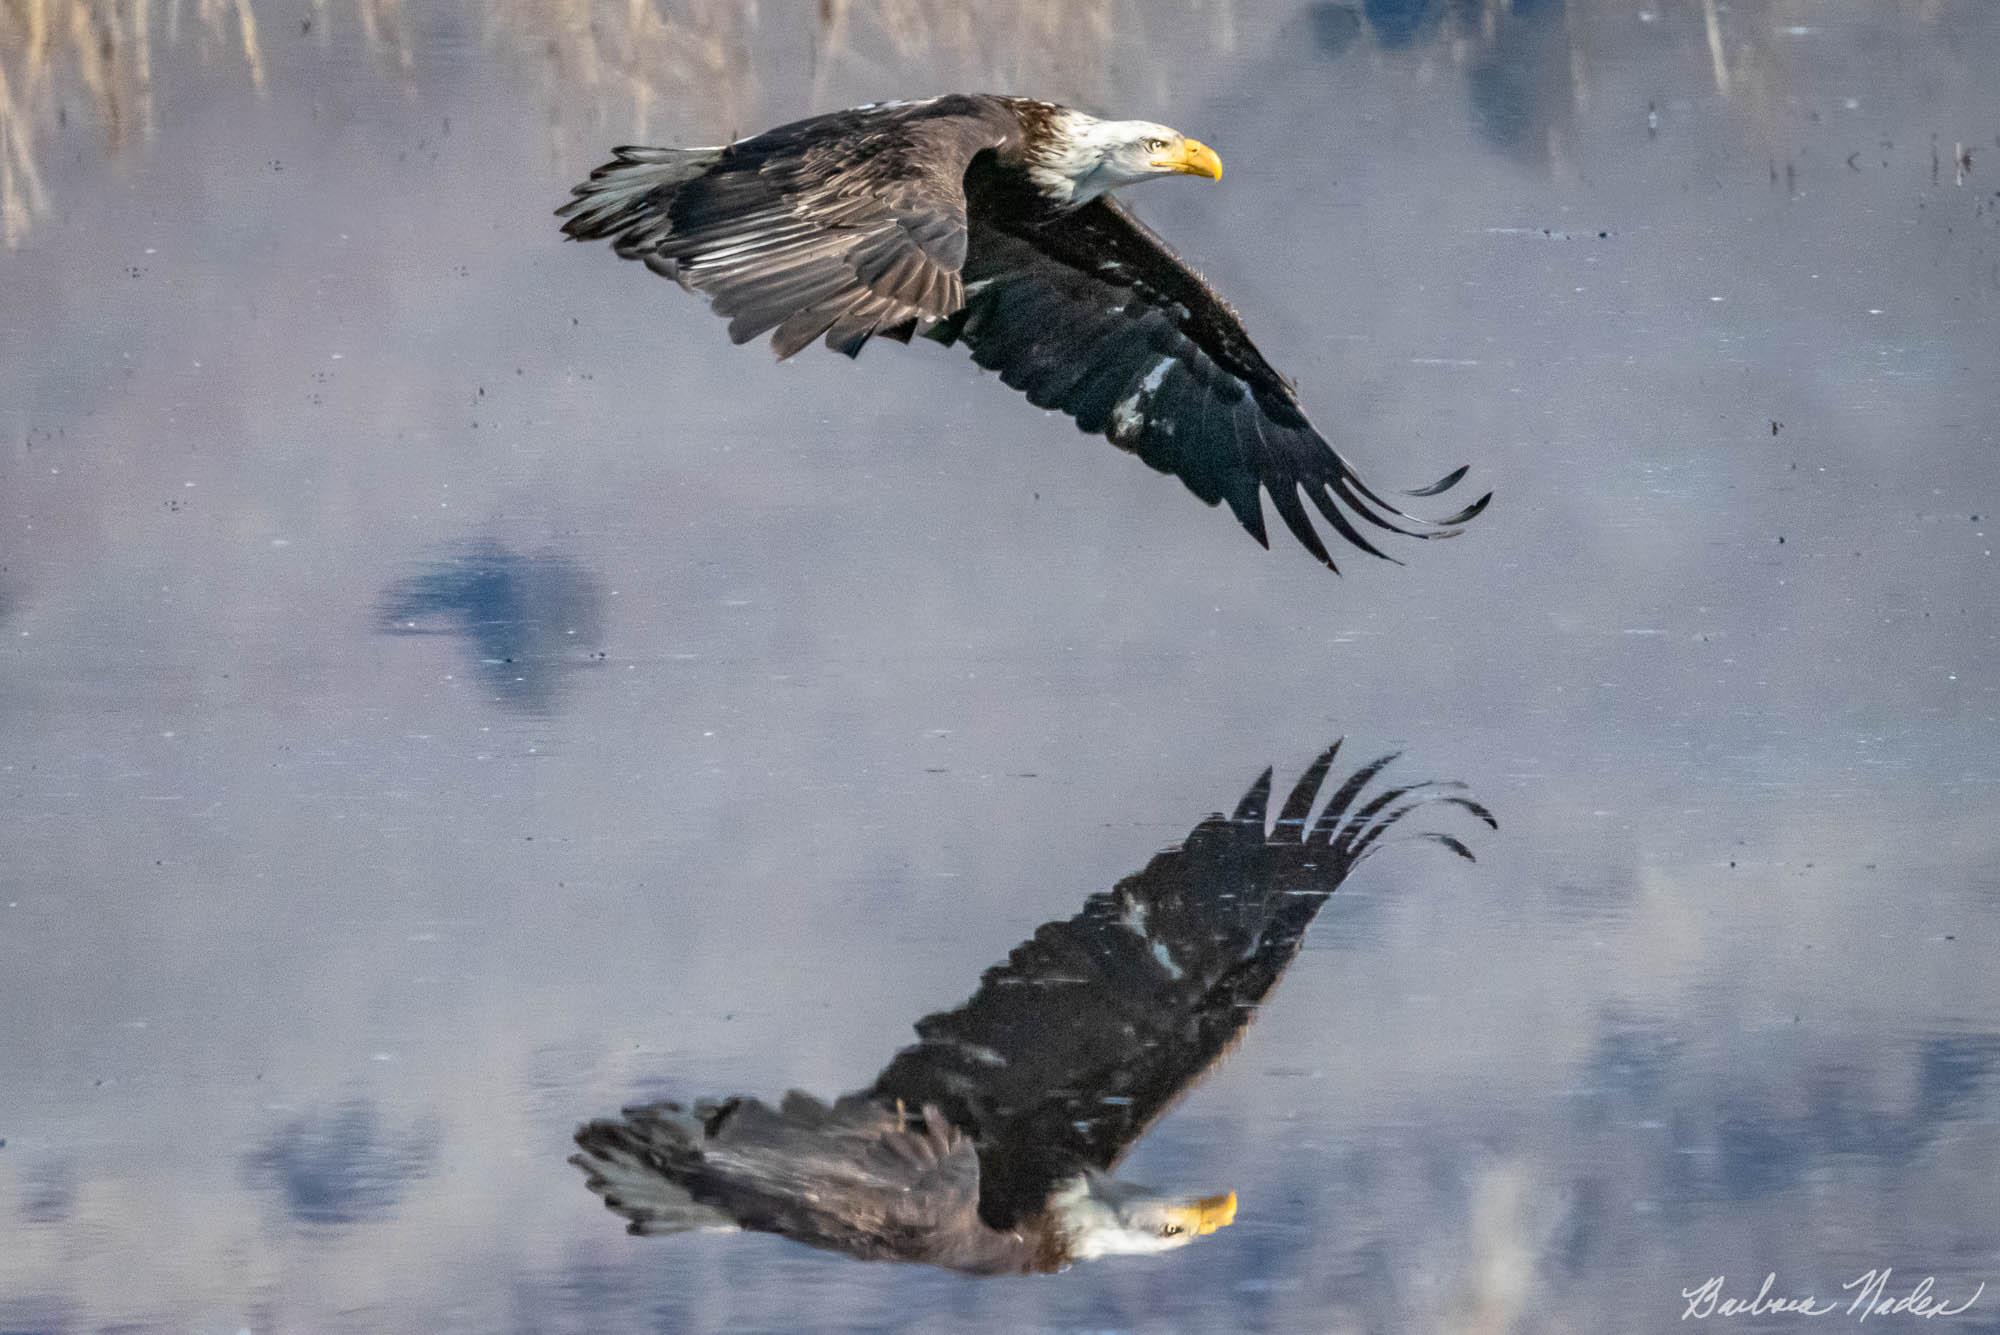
{"x": 1171, "y": 1231}
{"x": 1155, "y": 145}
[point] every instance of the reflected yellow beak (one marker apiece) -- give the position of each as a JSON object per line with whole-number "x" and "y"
{"x": 1191, "y": 157}
{"x": 1208, "y": 1214}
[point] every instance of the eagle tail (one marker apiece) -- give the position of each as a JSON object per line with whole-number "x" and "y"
{"x": 633, "y": 1165}
{"x": 627, "y": 197}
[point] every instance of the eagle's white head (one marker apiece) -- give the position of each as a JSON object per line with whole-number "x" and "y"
{"x": 1084, "y": 156}
{"x": 1101, "y": 1216}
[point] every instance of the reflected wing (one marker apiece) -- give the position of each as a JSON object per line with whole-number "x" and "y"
{"x": 1092, "y": 1027}
{"x": 1091, "y": 313}
{"x": 854, "y": 1177}
{"x": 838, "y": 225}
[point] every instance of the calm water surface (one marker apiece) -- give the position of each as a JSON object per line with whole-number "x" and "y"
{"x": 447, "y": 691}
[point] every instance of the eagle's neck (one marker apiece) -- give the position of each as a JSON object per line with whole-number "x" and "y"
{"x": 1081, "y": 1218}
{"x": 1062, "y": 154}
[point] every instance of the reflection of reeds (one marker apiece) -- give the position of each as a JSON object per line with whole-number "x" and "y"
{"x": 680, "y": 68}
{"x": 621, "y": 57}
{"x": 381, "y": 28}
{"x": 624, "y": 60}
{"x": 1056, "y": 49}
{"x": 615, "y": 63}
{"x": 106, "y": 46}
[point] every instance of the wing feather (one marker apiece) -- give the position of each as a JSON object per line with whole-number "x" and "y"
{"x": 855, "y": 1177}
{"x": 1093, "y": 1027}
{"x": 839, "y": 226}
{"x": 1089, "y": 312}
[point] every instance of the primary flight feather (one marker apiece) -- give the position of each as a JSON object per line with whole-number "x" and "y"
{"x": 988, "y": 221}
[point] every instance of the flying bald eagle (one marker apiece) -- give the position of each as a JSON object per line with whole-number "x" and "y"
{"x": 988, "y": 221}
{"x": 989, "y": 1146}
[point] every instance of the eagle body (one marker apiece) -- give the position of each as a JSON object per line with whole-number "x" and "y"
{"x": 990, "y": 1145}
{"x": 989, "y": 221}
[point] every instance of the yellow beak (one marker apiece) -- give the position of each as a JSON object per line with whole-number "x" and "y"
{"x": 1191, "y": 157}
{"x": 1208, "y": 1214}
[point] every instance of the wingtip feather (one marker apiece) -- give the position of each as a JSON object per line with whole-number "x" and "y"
{"x": 1443, "y": 484}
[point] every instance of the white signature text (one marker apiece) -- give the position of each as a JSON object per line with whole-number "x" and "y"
{"x": 1870, "y": 1292}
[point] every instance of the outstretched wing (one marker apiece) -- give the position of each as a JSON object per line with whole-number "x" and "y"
{"x": 1090, "y": 312}
{"x": 1094, "y": 1026}
{"x": 839, "y": 225}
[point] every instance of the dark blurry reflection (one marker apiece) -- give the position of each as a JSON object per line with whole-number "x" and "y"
{"x": 1400, "y": 23}
{"x": 1950, "y": 1071}
{"x": 1520, "y": 83}
{"x": 989, "y": 1145}
{"x": 48, "y": 1193}
{"x": 1333, "y": 27}
{"x": 526, "y": 620}
{"x": 1741, "y": 1139}
{"x": 342, "y": 1166}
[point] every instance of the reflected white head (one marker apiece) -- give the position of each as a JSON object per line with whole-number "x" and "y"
{"x": 1102, "y": 1216}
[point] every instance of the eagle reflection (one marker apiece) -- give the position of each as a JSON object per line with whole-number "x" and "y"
{"x": 989, "y": 1146}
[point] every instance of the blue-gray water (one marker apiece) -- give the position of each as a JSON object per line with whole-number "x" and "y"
{"x": 447, "y": 691}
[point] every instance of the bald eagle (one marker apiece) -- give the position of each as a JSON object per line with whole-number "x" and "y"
{"x": 988, "y": 221}
{"x": 988, "y": 1147}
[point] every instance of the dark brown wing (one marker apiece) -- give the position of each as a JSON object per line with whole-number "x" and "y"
{"x": 840, "y": 225}
{"x": 1089, "y": 312}
{"x": 1094, "y": 1026}
{"x": 854, "y": 1177}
